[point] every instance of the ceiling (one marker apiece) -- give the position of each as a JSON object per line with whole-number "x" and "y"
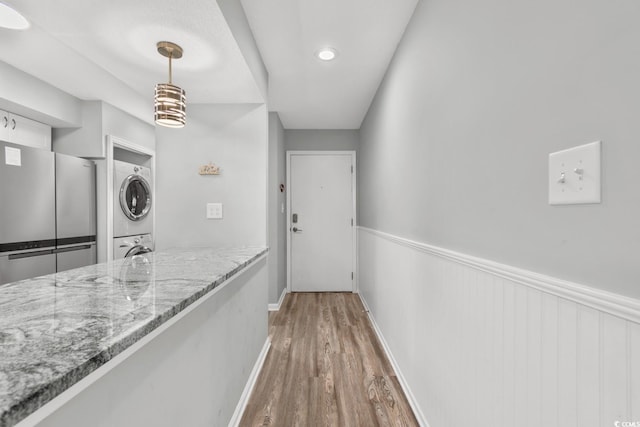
{"x": 308, "y": 93}
{"x": 96, "y": 49}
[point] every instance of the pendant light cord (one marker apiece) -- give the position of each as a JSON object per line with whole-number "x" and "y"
{"x": 170, "y": 74}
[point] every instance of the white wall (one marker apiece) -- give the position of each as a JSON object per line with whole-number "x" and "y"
{"x": 237, "y": 21}
{"x": 116, "y": 122}
{"x": 99, "y": 119}
{"x": 234, "y": 137}
{"x": 321, "y": 140}
{"x": 30, "y": 97}
{"x": 490, "y": 346}
{"x": 277, "y": 210}
{"x": 453, "y": 163}
{"x": 477, "y": 95}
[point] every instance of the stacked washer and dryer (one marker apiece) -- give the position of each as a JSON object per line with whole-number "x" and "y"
{"x": 133, "y": 212}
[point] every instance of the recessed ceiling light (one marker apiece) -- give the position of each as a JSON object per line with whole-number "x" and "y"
{"x": 12, "y": 19}
{"x": 326, "y": 54}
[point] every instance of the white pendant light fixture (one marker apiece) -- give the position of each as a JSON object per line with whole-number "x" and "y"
{"x": 170, "y": 100}
{"x": 12, "y": 19}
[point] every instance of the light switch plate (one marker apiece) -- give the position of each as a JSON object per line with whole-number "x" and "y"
{"x": 214, "y": 210}
{"x": 574, "y": 175}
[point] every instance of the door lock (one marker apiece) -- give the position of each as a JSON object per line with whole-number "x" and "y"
{"x": 296, "y": 230}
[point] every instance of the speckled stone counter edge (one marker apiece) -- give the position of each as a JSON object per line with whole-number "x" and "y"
{"x": 45, "y": 394}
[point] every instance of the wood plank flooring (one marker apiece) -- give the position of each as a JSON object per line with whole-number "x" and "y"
{"x": 325, "y": 368}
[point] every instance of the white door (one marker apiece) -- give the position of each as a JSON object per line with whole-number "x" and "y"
{"x": 321, "y": 221}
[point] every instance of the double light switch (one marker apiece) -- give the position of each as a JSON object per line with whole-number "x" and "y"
{"x": 574, "y": 175}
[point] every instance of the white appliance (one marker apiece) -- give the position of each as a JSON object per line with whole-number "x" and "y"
{"x": 127, "y": 247}
{"x": 133, "y": 200}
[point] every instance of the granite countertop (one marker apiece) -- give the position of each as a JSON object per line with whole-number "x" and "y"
{"x": 57, "y": 329}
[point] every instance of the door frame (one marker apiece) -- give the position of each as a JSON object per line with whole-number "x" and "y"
{"x": 354, "y": 264}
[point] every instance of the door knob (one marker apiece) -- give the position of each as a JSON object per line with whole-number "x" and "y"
{"x": 296, "y": 229}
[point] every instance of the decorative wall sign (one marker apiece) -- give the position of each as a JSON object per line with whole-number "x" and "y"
{"x": 209, "y": 169}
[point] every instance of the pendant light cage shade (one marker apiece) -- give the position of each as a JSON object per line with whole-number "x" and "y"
{"x": 170, "y": 105}
{"x": 170, "y": 101}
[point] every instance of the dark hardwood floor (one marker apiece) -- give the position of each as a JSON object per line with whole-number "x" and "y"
{"x": 325, "y": 368}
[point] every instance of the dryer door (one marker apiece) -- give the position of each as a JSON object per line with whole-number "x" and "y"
{"x": 135, "y": 197}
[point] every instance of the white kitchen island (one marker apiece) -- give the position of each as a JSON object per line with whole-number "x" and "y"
{"x": 164, "y": 340}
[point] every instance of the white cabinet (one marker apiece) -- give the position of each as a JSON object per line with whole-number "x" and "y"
{"x": 5, "y": 126}
{"x": 20, "y": 130}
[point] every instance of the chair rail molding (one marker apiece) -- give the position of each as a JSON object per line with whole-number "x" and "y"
{"x": 608, "y": 302}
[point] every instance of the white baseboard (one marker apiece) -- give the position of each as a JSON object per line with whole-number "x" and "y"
{"x": 403, "y": 382}
{"x": 276, "y": 306}
{"x": 251, "y": 382}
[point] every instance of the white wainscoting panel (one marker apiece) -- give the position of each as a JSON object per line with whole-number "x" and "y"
{"x": 483, "y": 344}
{"x": 634, "y": 371}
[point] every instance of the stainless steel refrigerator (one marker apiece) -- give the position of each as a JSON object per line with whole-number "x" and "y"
{"x": 27, "y": 212}
{"x": 39, "y": 190}
{"x": 75, "y": 212}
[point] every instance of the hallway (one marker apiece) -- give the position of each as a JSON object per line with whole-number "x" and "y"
{"x": 325, "y": 367}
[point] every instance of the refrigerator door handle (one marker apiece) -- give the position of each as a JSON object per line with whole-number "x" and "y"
{"x": 71, "y": 249}
{"x": 30, "y": 254}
